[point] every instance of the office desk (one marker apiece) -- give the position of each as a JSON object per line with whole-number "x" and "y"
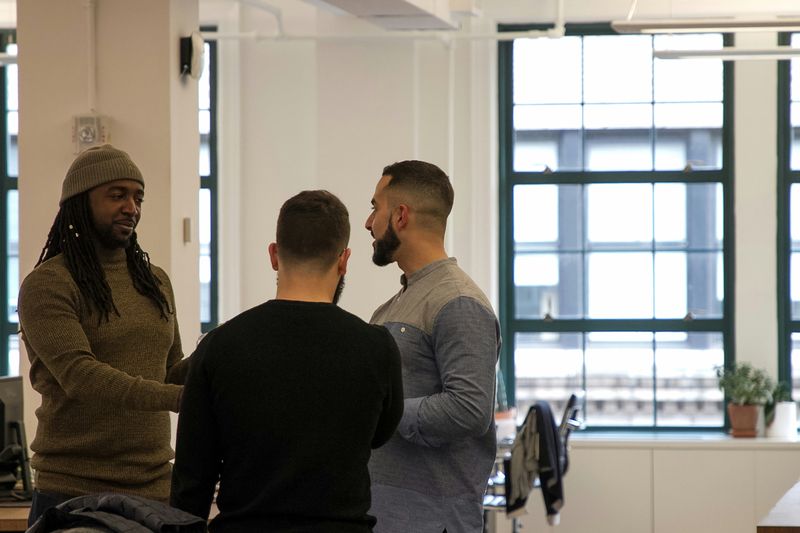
{"x": 785, "y": 516}
{"x": 14, "y": 518}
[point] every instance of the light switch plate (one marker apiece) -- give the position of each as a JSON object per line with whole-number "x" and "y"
{"x": 87, "y": 131}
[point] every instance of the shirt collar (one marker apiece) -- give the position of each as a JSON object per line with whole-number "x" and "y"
{"x": 406, "y": 281}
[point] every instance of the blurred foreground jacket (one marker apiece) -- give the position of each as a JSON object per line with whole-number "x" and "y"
{"x": 117, "y": 513}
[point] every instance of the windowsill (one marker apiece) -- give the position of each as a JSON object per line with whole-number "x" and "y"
{"x": 676, "y": 440}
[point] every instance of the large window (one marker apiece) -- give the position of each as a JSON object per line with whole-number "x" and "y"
{"x": 789, "y": 217}
{"x": 9, "y": 213}
{"x": 615, "y": 202}
{"x": 208, "y": 189}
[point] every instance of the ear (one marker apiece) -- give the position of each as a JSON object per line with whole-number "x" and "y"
{"x": 402, "y": 213}
{"x": 273, "y": 255}
{"x": 342, "y": 263}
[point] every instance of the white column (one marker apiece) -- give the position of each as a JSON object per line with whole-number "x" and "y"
{"x": 755, "y": 186}
{"x": 151, "y": 113}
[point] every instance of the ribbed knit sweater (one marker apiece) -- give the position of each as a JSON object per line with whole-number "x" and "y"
{"x": 106, "y": 386}
{"x": 282, "y": 406}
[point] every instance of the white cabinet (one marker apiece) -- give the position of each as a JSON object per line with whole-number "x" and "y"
{"x": 699, "y": 490}
{"x": 618, "y": 500}
{"x": 663, "y": 485}
{"x": 776, "y": 472}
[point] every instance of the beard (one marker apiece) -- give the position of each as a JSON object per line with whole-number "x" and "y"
{"x": 385, "y": 247}
{"x": 338, "y": 292}
{"x": 108, "y": 239}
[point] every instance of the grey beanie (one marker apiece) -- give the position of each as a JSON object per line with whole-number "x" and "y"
{"x": 95, "y": 166}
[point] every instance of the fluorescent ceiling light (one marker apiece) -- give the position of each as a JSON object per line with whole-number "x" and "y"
{"x": 706, "y": 25}
{"x": 731, "y": 54}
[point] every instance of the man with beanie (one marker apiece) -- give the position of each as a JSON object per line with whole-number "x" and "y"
{"x": 98, "y": 322}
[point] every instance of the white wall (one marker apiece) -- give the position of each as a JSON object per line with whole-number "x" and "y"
{"x": 151, "y": 113}
{"x": 332, "y": 113}
{"x": 755, "y": 186}
{"x": 8, "y": 13}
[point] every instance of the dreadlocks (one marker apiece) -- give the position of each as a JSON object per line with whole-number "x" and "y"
{"x": 73, "y": 219}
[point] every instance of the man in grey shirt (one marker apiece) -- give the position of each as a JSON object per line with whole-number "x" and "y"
{"x": 431, "y": 476}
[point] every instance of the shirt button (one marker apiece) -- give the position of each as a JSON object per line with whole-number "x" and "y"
{"x": 403, "y": 329}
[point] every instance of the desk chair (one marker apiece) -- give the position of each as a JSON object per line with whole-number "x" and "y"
{"x": 495, "y": 499}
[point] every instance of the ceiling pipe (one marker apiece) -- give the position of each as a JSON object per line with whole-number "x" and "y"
{"x": 632, "y": 9}
{"x": 706, "y": 25}
{"x": 703, "y": 24}
{"x": 272, "y": 10}
{"x": 91, "y": 54}
{"x": 731, "y": 54}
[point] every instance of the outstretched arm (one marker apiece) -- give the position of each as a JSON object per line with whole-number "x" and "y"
{"x": 50, "y": 324}
{"x": 465, "y": 342}
{"x": 177, "y": 365}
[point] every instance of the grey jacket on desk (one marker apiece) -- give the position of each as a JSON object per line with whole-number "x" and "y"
{"x": 432, "y": 474}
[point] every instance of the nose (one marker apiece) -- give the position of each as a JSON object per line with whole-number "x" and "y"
{"x": 368, "y": 223}
{"x": 129, "y": 206}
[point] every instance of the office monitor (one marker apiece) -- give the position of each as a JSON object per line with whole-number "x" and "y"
{"x": 14, "y": 465}
{"x": 11, "y": 398}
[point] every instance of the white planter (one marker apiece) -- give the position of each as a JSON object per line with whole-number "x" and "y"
{"x": 784, "y": 424}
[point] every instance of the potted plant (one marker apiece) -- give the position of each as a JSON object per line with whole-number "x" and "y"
{"x": 747, "y": 389}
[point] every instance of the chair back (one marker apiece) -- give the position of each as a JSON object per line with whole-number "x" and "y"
{"x": 570, "y": 421}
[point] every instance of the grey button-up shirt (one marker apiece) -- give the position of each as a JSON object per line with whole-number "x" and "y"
{"x": 432, "y": 474}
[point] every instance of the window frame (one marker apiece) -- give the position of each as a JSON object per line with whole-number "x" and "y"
{"x": 509, "y": 178}
{"x": 211, "y": 182}
{"x": 786, "y": 178}
{"x": 7, "y": 184}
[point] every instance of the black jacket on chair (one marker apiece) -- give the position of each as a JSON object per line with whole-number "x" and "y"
{"x": 545, "y": 454}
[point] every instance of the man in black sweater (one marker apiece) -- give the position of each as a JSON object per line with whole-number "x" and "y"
{"x": 284, "y": 402}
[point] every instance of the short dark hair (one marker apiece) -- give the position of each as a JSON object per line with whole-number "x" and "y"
{"x": 428, "y": 185}
{"x": 313, "y": 227}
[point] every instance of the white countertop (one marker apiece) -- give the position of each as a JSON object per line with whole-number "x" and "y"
{"x": 677, "y": 440}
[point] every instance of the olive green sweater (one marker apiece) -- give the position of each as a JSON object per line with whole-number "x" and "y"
{"x": 106, "y": 385}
